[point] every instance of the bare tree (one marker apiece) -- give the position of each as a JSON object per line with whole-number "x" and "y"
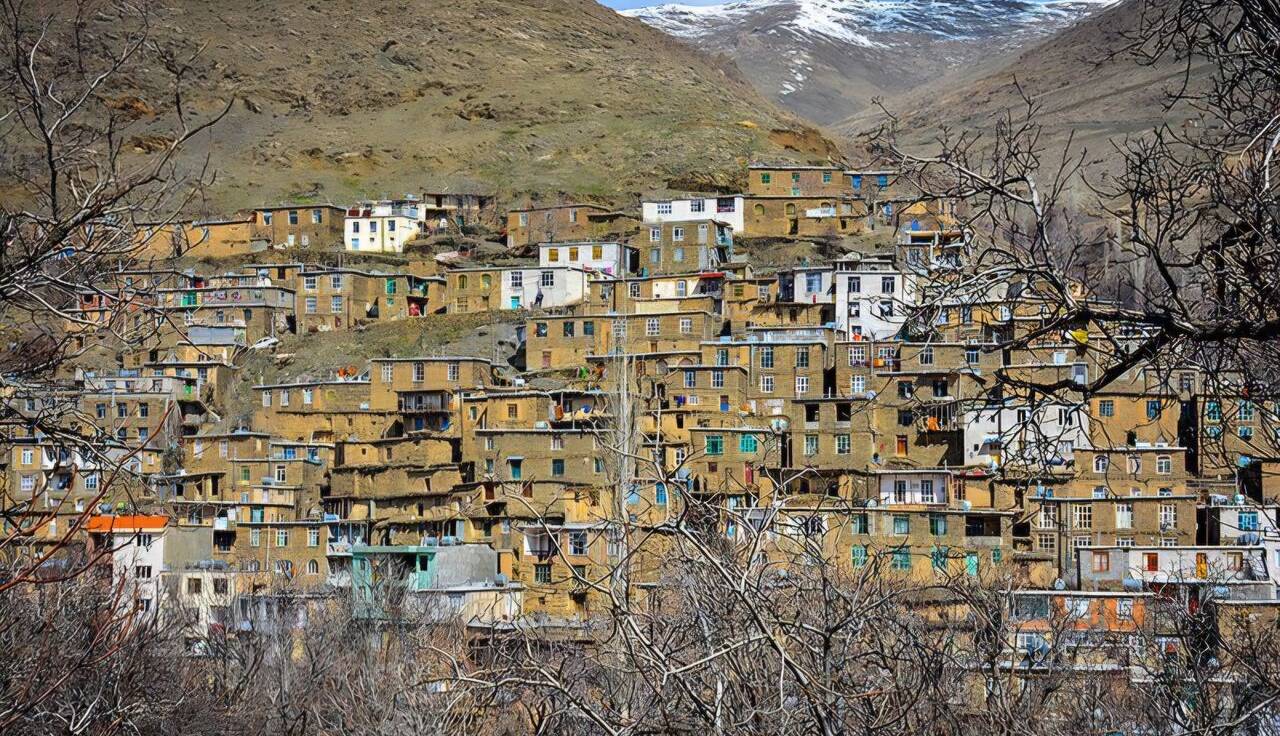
{"x": 83, "y": 195}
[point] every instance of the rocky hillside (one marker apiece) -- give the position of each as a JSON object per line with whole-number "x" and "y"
{"x": 827, "y": 59}
{"x": 1084, "y": 87}
{"x": 344, "y": 99}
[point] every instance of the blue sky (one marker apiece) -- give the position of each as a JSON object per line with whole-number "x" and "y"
{"x": 625, "y": 4}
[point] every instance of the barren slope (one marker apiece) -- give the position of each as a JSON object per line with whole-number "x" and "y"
{"x": 1082, "y": 85}
{"x": 344, "y": 99}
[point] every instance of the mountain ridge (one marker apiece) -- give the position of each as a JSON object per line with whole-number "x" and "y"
{"x": 826, "y": 59}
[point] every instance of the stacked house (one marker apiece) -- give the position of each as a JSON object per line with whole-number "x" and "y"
{"x": 805, "y": 408}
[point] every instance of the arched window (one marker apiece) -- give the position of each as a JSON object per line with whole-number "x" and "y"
{"x": 758, "y": 210}
{"x": 313, "y": 567}
{"x": 1100, "y": 464}
{"x": 486, "y": 281}
{"x": 791, "y": 209}
{"x": 462, "y": 281}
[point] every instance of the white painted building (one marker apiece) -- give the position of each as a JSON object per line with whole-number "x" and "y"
{"x": 728, "y": 209}
{"x": 146, "y": 553}
{"x": 872, "y": 297}
{"x": 542, "y": 288}
{"x": 1244, "y": 571}
{"x": 614, "y": 259}
{"x": 383, "y": 226}
{"x": 806, "y": 285}
{"x": 928, "y": 487}
{"x": 1009, "y": 434}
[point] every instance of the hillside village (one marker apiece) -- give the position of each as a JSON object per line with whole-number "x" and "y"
{"x": 337, "y": 399}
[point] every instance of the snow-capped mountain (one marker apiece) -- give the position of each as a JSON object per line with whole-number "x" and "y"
{"x": 827, "y": 58}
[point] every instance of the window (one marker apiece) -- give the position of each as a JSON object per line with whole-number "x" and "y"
{"x": 1151, "y": 561}
{"x": 335, "y": 305}
{"x": 677, "y": 234}
{"x": 282, "y": 537}
{"x": 842, "y": 444}
{"x": 937, "y": 525}
{"x": 266, "y": 398}
{"x": 802, "y": 385}
{"x": 1107, "y": 408}
{"x": 255, "y": 537}
{"x": 517, "y": 279}
{"x": 266, "y": 218}
{"x": 802, "y": 357}
{"x": 901, "y": 559}
{"x": 1248, "y": 521}
{"x": 419, "y": 372}
{"x": 926, "y": 355}
{"x": 1153, "y": 408}
{"x": 542, "y": 574}
{"x": 1124, "y": 609}
{"x": 1213, "y": 411}
{"x": 313, "y": 537}
{"x": 547, "y": 279}
{"x": 717, "y": 379}
{"x": 858, "y": 384}
{"x": 308, "y": 395}
{"x": 901, "y": 524}
{"x": 578, "y": 542}
{"x": 1100, "y": 463}
{"x": 388, "y": 371}
{"x": 926, "y": 492}
{"x": 766, "y": 384}
{"x": 142, "y": 572}
{"x": 655, "y": 234}
{"x": 810, "y": 445}
{"x": 1124, "y": 516}
{"x": 557, "y": 468}
{"x": 1168, "y": 516}
{"x": 766, "y": 357}
{"x": 859, "y": 555}
{"x": 686, "y": 326}
{"x": 766, "y": 177}
{"x": 651, "y": 327}
{"x": 1246, "y": 411}
{"x": 813, "y": 283}
{"x": 1082, "y": 516}
{"x": 1164, "y": 464}
{"x": 715, "y": 444}
{"x": 310, "y": 305}
{"x": 690, "y": 379}
{"x": 887, "y": 284}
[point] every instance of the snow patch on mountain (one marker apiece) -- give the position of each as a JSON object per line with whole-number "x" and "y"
{"x": 871, "y": 23}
